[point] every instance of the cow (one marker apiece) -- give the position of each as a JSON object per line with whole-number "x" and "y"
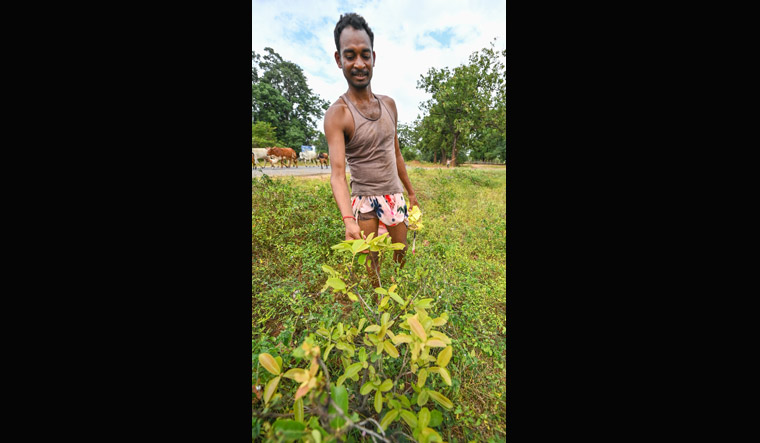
{"x": 307, "y": 156}
{"x": 258, "y": 154}
{"x": 285, "y": 154}
{"x": 322, "y": 158}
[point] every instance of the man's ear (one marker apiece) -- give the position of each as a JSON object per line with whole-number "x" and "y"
{"x": 337, "y": 60}
{"x": 374, "y": 58}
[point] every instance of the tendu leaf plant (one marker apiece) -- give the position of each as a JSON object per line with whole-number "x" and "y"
{"x": 383, "y": 378}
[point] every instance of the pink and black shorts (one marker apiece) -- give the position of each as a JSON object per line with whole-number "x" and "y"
{"x": 390, "y": 210}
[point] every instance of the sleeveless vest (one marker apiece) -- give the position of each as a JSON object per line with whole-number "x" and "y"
{"x": 371, "y": 153}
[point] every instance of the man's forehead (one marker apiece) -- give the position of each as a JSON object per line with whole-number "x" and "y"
{"x": 355, "y": 39}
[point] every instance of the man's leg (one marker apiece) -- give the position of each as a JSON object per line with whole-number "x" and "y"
{"x": 369, "y": 225}
{"x": 398, "y": 235}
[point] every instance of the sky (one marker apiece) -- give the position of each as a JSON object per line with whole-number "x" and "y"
{"x": 411, "y": 36}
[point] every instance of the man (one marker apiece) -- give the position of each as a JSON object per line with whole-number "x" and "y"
{"x": 360, "y": 128}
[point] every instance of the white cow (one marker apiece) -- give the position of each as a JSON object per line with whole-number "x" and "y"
{"x": 258, "y": 153}
{"x": 307, "y": 156}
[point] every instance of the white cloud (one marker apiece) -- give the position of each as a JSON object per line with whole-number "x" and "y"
{"x": 399, "y": 26}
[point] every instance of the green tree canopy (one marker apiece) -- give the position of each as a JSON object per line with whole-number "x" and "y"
{"x": 281, "y": 96}
{"x": 468, "y": 104}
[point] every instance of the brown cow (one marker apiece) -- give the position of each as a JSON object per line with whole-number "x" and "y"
{"x": 322, "y": 159}
{"x": 284, "y": 154}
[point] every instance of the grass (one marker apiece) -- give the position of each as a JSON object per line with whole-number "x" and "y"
{"x": 294, "y": 223}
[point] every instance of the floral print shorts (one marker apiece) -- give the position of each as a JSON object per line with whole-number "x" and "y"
{"x": 390, "y": 210}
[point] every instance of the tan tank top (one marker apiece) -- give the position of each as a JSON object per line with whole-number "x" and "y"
{"x": 371, "y": 153}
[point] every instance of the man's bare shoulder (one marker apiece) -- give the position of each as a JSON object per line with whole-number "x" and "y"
{"x": 337, "y": 111}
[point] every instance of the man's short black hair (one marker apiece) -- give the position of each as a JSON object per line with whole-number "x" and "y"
{"x": 357, "y": 22}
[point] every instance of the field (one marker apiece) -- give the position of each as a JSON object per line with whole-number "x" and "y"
{"x": 462, "y": 245}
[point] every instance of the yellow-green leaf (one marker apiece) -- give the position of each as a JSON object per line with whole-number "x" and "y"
{"x": 298, "y": 410}
{"x": 409, "y": 418}
{"x": 401, "y": 338}
{"x": 435, "y": 343}
{"x": 336, "y": 283}
{"x": 387, "y": 385}
{"x": 389, "y": 417}
{"x": 444, "y": 373}
{"x": 352, "y": 296}
{"x": 421, "y": 377}
{"x": 269, "y": 363}
{"x": 440, "y": 321}
{"x": 441, "y": 400}
{"x": 422, "y": 397}
{"x": 378, "y": 401}
{"x": 353, "y": 369}
{"x": 390, "y": 349}
{"x": 373, "y": 328}
{"x": 444, "y": 356}
{"x": 423, "y": 418}
{"x": 439, "y": 335}
{"x": 366, "y": 388}
{"x": 297, "y": 374}
{"x": 396, "y": 298}
{"x": 417, "y": 328}
{"x": 270, "y": 389}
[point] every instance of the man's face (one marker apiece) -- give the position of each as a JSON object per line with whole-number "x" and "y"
{"x": 356, "y": 57}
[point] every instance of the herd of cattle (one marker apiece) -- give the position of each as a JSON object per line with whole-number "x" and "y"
{"x": 287, "y": 156}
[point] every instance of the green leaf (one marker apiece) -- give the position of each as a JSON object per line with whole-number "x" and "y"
{"x": 340, "y": 397}
{"x": 387, "y": 385}
{"x": 388, "y": 419}
{"x": 362, "y": 355}
{"x": 421, "y": 377}
{"x": 373, "y": 328}
{"x": 381, "y": 291}
{"x": 390, "y": 349}
{"x": 444, "y": 356}
{"x": 362, "y": 259}
{"x": 270, "y": 389}
{"x": 435, "y": 418}
{"x": 366, "y": 388}
{"x": 378, "y": 401}
{"x": 358, "y": 245}
{"x": 396, "y": 298}
{"x": 352, "y": 296}
{"x": 353, "y": 369}
{"x": 444, "y": 373}
{"x": 424, "y": 303}
{"x": 291, "y": 429}
{"x": 441, "y": 400}
{"x": 298, "y": 410}
{"x": 328, "y": 269}
{"x": 336, "y": 283}
{"x": 422, "y": 397}
{"x": 409, "y": 418}
{"x": 361, "y": 323}
{"x": 423, "y": 418}
{"x": 384, "y": 319}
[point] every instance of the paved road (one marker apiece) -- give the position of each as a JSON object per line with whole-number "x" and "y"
{"x": 300, "y": 170}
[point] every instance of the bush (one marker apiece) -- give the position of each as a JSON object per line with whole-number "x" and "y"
{"x": 367, "y": 354}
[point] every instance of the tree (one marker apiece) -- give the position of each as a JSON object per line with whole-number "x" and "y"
{"x": 408, "y": 140}
{"x": 282, "y": 97}
{"x": 465, "y": 102}
{"x": 320, "y": 145}
{"x": 263, "y": 135}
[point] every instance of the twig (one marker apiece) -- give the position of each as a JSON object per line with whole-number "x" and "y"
{"x": 424, "y": 285}
{"x": 350, "y": 423}
{"x": 406, "y": 351}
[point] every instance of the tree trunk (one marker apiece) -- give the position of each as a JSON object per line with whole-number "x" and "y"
{"x": 435, "y": 157}
{"x": 454, "y": 150}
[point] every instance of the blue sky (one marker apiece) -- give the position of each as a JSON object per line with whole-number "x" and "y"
{"x": 411, "y": 36}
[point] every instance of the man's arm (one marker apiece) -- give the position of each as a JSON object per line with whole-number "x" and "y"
{"x": 400, "y": 165}
{"x": 334, "y": 134}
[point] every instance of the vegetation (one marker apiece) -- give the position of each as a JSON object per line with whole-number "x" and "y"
{"x": 467, "y": 110}
{"x": 297, "y": 304}
{"x": 281, "y": 96}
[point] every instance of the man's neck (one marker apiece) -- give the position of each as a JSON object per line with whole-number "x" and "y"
{"x": 363, "y": 95}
